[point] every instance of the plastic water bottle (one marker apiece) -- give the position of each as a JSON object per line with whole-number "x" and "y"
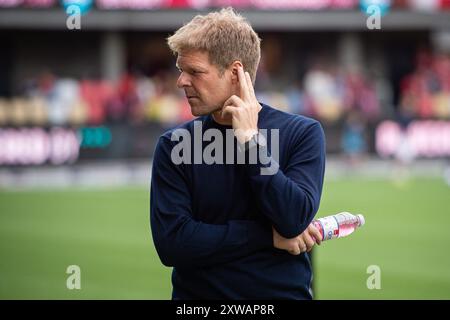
{"x": 338, "y": 225}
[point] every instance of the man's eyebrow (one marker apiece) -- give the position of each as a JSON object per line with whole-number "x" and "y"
{"x": 191, "y": 67}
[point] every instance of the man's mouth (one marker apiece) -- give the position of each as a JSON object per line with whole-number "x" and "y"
{"x": 190, "y": 95}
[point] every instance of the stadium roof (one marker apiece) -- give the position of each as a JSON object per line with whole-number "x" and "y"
{"x": 161, "y": 20}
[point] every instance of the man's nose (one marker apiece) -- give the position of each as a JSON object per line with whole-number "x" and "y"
{"x": 183, "y": 81}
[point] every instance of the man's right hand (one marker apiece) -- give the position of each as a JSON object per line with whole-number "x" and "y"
{"x": 304, "y": 242}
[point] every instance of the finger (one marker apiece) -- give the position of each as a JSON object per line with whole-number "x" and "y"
{"x": 295, "y": 251}
{"x": 251, "y": 90}
{"x": 302, "y": 244}
{"x": 308, "y": 241}
{"x": 234, "y": 101}
{"x": 244, "y": 93}
{"x": 313, "y": 231}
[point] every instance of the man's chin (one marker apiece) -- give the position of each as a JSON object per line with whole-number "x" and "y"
{"x": 198, "y": 111}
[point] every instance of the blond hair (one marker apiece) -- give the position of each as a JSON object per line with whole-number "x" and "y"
{"x": 225, "y": 35}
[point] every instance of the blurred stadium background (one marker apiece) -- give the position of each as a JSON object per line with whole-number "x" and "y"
{"x": 80, "y": 111}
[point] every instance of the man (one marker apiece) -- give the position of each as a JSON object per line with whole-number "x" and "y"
{"x": 234, "y": 230}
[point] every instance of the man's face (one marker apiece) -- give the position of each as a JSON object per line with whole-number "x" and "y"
{"x": 205, "y": 88}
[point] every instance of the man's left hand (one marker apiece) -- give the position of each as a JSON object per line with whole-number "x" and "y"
{"x": 244, "y": 109}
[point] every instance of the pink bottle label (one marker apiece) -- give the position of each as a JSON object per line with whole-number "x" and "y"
{"x": 330, "y": 227}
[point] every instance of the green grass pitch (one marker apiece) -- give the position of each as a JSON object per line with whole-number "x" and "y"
{"x": 106, "y": 233}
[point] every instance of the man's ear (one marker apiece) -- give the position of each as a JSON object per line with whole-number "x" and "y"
{"x": 234, "y": 70}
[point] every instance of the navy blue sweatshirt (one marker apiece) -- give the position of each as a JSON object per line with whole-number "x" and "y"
{"x": 213, "y": 222}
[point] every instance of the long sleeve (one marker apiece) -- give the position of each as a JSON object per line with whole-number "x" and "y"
{"x": 180, "y": 240}
{"x": 290, "y": 198}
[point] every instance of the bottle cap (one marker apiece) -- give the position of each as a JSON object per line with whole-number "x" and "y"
{"x": 362, "y": 221}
